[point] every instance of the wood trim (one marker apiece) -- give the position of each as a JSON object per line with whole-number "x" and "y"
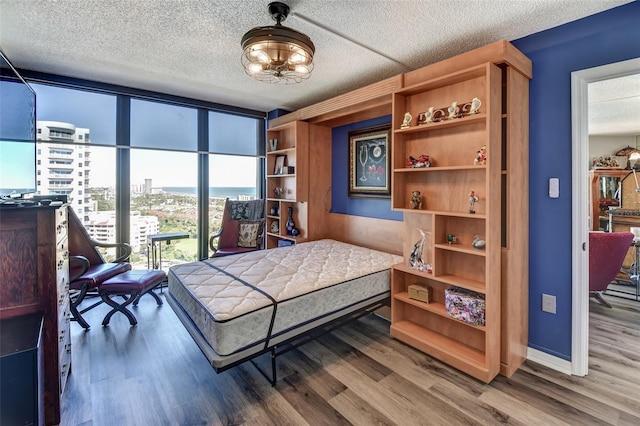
{"x": 378, "y": 234}
{"x": 497, "y": 53}
{"x": 515, "y": 256}
{"x": 345, "y": 105}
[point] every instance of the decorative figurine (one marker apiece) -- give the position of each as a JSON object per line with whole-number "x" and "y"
{"x": 478, "y": 243}
{"x": 475, "y": 106}
{"x": 453, "y": 110}
{"x": 416, "y": 200}
{"x": 415, "y": 258}
{"x": 439, "y": 114}
{"x": 275, "y": 226}
{"x": 406, "y": 123}
{"x": 428, "y": 116}
{"x": 278, "y": 191}
{"x": 451, "y": 238}
{"x": 473, "y": 199}
{"x": 481, "y": 156}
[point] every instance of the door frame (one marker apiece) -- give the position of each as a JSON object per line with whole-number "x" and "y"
{"x": 580, "y": 203}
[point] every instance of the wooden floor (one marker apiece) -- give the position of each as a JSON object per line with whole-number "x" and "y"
{"x": 154, "y": 374}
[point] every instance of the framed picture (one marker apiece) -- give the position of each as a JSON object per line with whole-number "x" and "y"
{"x": 279, "y": 164}
{"x": 370, "y": 162}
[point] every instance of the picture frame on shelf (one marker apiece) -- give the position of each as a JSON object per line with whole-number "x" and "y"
{"x": 278, "y": 168}
{"x": 370, "y": 162}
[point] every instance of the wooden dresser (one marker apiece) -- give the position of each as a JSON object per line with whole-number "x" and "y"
{"x": 34, "y": 277}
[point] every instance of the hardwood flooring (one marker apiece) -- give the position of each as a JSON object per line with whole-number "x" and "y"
{"x": 154, "y": 374}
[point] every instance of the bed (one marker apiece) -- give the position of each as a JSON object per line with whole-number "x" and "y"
{"x": 241, "y": 306}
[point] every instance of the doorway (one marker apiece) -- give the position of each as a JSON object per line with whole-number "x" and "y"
{"x": 580, "y": 203}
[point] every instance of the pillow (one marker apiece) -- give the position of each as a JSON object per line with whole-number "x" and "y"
{"x": 248, "y": 233}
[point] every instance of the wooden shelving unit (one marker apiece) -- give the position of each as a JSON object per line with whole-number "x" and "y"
{"x": 451, "y": 145}
{"x": 293, "y": 143}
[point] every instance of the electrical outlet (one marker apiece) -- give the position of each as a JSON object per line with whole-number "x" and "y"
{"x": 548, "y": 303}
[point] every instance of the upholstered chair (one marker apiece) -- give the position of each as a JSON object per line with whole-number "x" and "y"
{"x": 607, "y": 251}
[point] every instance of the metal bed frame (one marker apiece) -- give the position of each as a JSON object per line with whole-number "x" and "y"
{"x": 272, "y": 345}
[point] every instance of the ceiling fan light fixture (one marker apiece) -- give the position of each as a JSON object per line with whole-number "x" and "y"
{"x": 277, "y": 54}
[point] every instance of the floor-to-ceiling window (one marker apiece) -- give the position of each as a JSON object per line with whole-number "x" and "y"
{"x": 234, "y": 164}
{"x": 145, "y": 152}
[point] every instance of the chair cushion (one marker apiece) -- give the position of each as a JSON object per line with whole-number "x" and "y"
{"x": 248, "y": 233}
{"x": 97, "y": 274}
{"x": 229, "y": 237}
{"x": 136, "y": 279}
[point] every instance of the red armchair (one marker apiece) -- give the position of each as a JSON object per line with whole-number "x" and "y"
{"x": 606, "y": 255}
{"x": 242, "y": 228}
{"x": 87, "y": 267}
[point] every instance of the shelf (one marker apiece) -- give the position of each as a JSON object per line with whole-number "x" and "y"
{"x": 437, "y": 169}
{"x": 441, "y": 213}
{"x": 455, "y": 353}
{"x": 281, "y": 200}
{"x": 444, "y": 124}
{"x": 282, "y": 151}
{"x": 469, "y": 284}
{"x": 435, "y": 307}
{"x": 282, "y": 175}
{"x": 286, "y": 237}
{"x": 460, "y": 249}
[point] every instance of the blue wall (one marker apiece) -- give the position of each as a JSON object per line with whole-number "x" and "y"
{"x": 340, "y": 201}
{"x": 611, "y": 36}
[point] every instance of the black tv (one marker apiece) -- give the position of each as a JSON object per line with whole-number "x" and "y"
{"x": 17, "y": 133}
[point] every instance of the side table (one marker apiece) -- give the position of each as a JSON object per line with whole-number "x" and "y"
{"x": 154, "y": 248}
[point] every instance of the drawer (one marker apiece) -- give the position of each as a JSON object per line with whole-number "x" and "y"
{"x": 63, "y": 282}
{"x": 63, "y": 295}
{"x": 61, "y": 223}
{"x": 65, "y": 365}
{"x": 64, "y": 313}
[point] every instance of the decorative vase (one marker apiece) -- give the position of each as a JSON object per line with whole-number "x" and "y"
{"x": 290, "y": 224}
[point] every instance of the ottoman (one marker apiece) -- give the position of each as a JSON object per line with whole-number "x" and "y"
{"x": 130, "y": 285}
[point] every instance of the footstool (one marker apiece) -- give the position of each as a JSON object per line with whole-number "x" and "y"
{"x": 131, "y": 285}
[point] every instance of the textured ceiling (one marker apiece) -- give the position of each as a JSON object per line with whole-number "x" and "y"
{"x": 614, "y": 106}
{"x": 192, "y": 47}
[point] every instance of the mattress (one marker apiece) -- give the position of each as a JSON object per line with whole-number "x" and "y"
{"x": 243, "y": 301}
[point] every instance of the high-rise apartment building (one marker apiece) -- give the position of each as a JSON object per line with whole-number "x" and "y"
{"x": 63, "y": 163}
{"x": 63, "y": 167}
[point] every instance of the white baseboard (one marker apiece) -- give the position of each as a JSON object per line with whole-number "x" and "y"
{"x": 553, "y": 362}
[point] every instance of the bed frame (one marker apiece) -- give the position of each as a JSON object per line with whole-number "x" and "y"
{"x": 284, "y": 342}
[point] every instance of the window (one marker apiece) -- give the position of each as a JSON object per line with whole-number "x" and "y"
{"x": 163, "y": 200}
{"x": 162, "y": 126}
{"x": 233, "y": 177}
{"x": 229, "y": 134}
{"x": 161, "y": 139}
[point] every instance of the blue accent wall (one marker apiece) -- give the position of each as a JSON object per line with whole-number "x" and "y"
{"x": 610, "y": 36}
{"x": 340, "y": 201}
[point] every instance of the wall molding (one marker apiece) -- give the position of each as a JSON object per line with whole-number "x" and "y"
{"x": 553, "y": 362}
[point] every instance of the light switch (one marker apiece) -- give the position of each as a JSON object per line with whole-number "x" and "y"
{"x": 554, "y": 187}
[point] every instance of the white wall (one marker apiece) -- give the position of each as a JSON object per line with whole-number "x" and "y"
{"x": 608, "y": 145}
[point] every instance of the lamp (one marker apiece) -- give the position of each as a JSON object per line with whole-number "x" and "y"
{"x": 277, "y": 54}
